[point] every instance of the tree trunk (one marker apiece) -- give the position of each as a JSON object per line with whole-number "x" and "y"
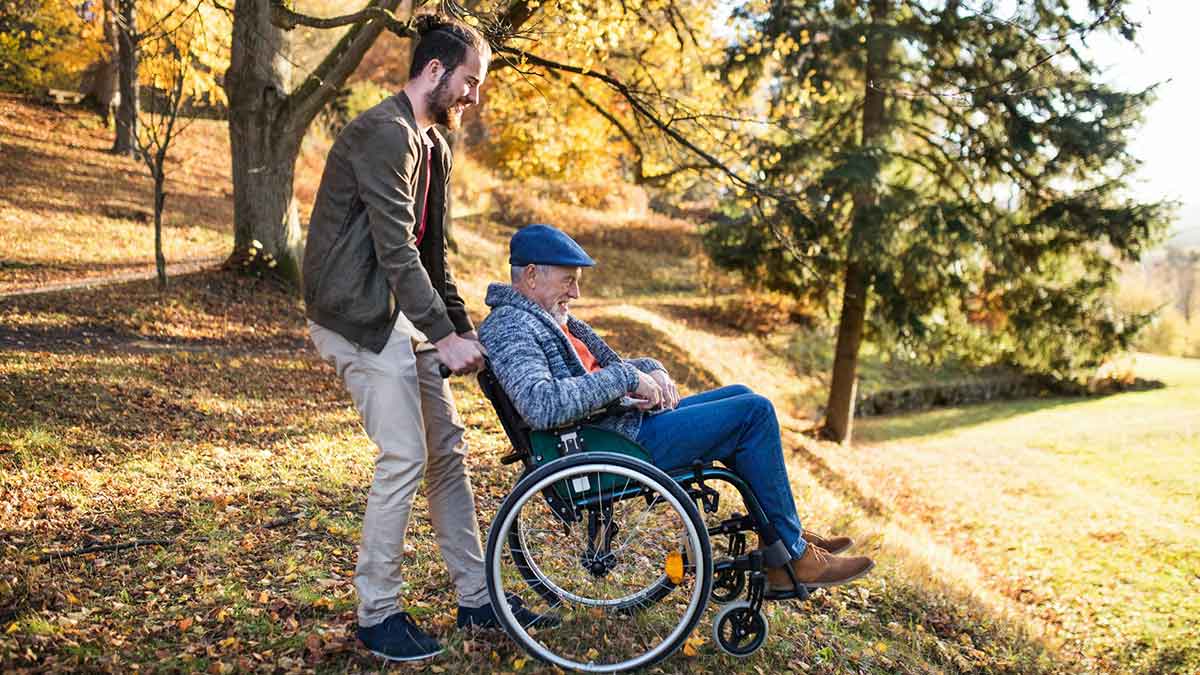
{"x": 127, "y": 69}
{"x": 264, "y": 208}
{"x": 839, "y": 413}
{"x": 160, "y": 198}
{"x": 100, "y": 80}
{"x": 267, "y": 125}
{"x": 263, "y": 155}
{"x": 1187, "y": 289}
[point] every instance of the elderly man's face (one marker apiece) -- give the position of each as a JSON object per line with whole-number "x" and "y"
{"x": 553, "y": 289}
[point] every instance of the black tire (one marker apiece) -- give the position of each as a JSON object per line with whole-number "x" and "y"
{"x": 506, "y": 534}
{"x": 739, "y": 630}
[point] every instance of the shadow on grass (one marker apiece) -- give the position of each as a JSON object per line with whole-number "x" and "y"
{"x": 119, "y": 404}
{"x": 213, "y": 309}
{"x": 99, "y": 189}
{"x": 944, "y": 420}
{"x": 633, "y": 339}
{"x": 216, "y": 357}
{"x": 698, "y": 315}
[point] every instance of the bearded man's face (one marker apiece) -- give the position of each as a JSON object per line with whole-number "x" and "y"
{"x": 456, "y": 90}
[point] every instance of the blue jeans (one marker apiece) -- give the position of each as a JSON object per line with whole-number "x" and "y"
{"x": 737, "y": 427}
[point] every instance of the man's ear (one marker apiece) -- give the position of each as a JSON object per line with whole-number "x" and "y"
{"x": 433, "y": 69}
{"x": 530, "y": 274}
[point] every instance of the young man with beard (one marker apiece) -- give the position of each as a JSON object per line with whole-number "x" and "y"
{"x": 383, "y": 309}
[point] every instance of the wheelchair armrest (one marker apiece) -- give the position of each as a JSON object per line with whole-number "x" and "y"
{"x": 617, "y": 407}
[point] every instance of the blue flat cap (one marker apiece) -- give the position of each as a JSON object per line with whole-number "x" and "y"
{"x": 545, "y": 245}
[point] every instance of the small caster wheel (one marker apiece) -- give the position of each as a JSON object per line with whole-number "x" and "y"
{"x": 728, "y": 584}
{"x": 739, "y": 630}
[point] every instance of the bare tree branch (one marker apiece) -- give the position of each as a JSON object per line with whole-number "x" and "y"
{"x": 287, "y": 19}
{"x": 327, "y": 78}
{"x": 708, "y": 161}
{"x": 642, "y": 110}
{"x": 59, "y": 555}
{"x": 640, "y": 177}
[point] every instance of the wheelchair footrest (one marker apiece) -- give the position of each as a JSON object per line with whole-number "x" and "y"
{"x": 800, "y": 593}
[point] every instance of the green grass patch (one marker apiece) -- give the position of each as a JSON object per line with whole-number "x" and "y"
{"x": 1088, "y": 517}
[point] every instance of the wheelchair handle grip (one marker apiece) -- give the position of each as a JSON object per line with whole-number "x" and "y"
{"x": 446, "y": 373}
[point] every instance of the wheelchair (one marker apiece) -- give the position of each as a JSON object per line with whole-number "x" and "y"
{"x": 619, "y": 550}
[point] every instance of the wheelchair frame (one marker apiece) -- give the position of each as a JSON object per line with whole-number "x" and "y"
{"x": 740, "y": 628}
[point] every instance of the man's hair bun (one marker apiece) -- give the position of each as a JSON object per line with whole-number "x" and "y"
{"x": 445, "y": 39}
{"x": 425, "y": 23}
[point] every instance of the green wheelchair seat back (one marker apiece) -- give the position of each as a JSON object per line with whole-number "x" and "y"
{"x": 550, "y": 445}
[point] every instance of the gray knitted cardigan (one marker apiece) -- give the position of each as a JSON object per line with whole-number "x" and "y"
{"x": 541, "y": 372}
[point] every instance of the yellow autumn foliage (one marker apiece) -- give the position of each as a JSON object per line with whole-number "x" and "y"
{"x": 542, "y": 125}
{"x": 51, "y": 43}
{"x": 46, "y": 43}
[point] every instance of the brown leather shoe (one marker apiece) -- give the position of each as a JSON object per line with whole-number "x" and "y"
{"x": 834, "y": 545}
{"x": 818, "y": 568}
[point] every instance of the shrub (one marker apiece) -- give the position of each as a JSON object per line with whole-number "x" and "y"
{"x": 46, "y": 44}
{"x": 1167, "y": 334}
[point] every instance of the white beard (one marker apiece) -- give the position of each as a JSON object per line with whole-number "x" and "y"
{"x": 561, "y": 316}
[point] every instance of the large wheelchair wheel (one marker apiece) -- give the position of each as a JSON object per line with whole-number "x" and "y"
{"x": 552, "y": 593}
{"x": 622, "y": 559}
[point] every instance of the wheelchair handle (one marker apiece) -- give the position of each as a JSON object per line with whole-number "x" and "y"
{"x": 446, "y": 373}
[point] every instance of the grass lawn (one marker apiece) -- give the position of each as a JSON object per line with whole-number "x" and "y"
{"x": 1085, "y": 513}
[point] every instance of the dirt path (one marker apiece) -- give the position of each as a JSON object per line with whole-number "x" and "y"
{"x": 173, "y": 269}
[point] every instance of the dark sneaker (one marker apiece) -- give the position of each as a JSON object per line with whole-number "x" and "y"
{"x": 834, "y": 545}
{"x": 397, "y": 638}
{"x": 485, "y": 617}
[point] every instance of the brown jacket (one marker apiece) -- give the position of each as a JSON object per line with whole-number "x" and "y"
{"x": 362, "y": 266}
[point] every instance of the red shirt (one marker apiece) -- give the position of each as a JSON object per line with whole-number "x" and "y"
{"x": 585, "y": 354}
{"x": 425, "y": 205}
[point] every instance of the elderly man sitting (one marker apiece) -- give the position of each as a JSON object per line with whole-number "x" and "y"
{"x": 557, "y": 370}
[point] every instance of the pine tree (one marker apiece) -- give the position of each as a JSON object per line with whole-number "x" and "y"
{"x": 963, "y": 175}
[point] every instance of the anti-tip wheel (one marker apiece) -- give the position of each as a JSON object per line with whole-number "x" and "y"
{"x": 739, "y": 630}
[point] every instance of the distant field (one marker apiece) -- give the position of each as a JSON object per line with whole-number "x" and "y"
{"x": 1084, "y": 513}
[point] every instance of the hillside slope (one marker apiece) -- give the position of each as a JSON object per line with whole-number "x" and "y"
{"x": 199, "y": 424}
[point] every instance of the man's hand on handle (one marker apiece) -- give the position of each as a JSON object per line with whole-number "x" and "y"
{"x": 461, "y": 353}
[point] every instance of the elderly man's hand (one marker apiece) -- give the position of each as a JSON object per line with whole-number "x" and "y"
{"x": 648, "y": 393}
{"x": 670, "y": 392}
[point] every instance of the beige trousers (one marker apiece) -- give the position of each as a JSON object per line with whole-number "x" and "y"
{"x": 408, "y": 411}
